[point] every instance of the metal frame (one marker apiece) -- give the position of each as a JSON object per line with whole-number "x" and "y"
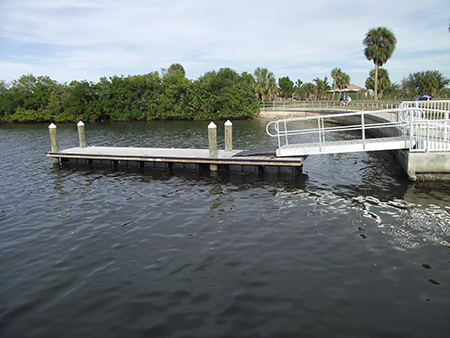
{"x": 428, "y": 125}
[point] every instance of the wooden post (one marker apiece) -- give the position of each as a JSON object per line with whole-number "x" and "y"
{"x": 228, "y": 136}
{"x": 53, "y": 141}
{"x": 81, "y": 136}
{"x": 212, "y": 138}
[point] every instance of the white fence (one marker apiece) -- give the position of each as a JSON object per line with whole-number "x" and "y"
{"x": 334, "y": 105}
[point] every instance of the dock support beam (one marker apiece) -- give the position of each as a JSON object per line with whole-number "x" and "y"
{"x": 212, "y": 138}
{"x": 228, "y": 136}
{"x": 53, "y": 141}
{"x": 81, "y": 134}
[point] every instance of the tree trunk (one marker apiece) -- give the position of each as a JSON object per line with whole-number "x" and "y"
{"x": 376, "y": 82}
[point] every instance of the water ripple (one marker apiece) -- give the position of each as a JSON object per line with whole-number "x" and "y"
{"x": 347, "y": 248}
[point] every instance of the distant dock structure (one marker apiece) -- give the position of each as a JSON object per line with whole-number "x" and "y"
{"x": 418, "y": 131}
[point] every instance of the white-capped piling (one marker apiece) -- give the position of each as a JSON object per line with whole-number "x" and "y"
{"x": 53, "y": 140}
{"x": 228, "y": 136}
{"x": 212, "y": 138}
{"x": 81, "y": 135}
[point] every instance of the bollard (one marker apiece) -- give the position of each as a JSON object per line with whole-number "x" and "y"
{"x": 53, "y": 141}
{"x": 228, "y": 136}
{"x": 212, "y": 138}
{"x": 81, "y": 136}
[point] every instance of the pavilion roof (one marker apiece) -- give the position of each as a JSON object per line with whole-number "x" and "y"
{"x": 350, "y": 88}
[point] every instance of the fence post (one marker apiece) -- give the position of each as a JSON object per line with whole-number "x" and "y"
{"x": 81, "y": 135}
{"x": 53, "y": 141}
{"x": 228, "y": 136}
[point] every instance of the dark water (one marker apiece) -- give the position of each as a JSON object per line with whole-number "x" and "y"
{"x": 350, "y": 247}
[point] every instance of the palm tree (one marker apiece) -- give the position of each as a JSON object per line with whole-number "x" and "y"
{"x": 321, "y": 87}
{"x": 344, "y": 81}
{"x": 340, "y": 79}
{"x": 334, "y": 75}
{"x": 383, "y": 81}
{"x": 380, "y": 44}
{"x": 265, "y": 85}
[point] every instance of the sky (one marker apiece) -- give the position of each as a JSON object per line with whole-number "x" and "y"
{"x": 88, "y": 39}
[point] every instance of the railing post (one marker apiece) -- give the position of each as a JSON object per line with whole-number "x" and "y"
{"x": 319, "y": 126}
{"x": 285, "y": 132}
{"x": 411, "y": 138}
{"x": 363, "y": 129}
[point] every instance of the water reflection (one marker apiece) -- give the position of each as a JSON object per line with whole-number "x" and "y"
{"x": 348, "y": 247}
{"x": 409, "y": 225}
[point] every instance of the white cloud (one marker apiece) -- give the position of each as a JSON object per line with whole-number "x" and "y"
{"x": 87, "y": 39}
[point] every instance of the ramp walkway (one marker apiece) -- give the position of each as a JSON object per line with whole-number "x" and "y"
{"x": 405, "y": 127}
{"x": 347, "y": 146}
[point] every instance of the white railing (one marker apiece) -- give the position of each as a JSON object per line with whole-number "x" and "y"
{"x": 425, "y": 134}
{"x": 434, "y": 110}
{"x": 430, "y": 135}
{"x": 334, "y": 105}
{"x": 429, "y": 124}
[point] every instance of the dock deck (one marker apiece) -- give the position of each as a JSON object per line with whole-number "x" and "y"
{"x": 189, "y": 159}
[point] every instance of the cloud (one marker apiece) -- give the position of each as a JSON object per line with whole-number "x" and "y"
{"x": 87, "y": 39}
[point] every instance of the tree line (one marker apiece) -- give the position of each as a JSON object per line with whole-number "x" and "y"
{"x": 430, "y": 82}
{"x": 222, "y": 94}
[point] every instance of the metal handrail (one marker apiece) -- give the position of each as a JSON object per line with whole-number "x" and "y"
{"x": 430, "y": 135}
{"x": 412, "y": 121}
{"x": 328, "y": 104}
{"x": 434, "y": 110}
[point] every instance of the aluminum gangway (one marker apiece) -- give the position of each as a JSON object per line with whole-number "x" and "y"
{"x": 407, "y": 127}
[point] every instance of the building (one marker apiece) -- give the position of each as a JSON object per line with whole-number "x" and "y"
{"x": 355, "y": 92}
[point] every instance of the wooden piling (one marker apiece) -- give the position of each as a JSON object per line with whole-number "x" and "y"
{"x": 212, "y": 138}
{"x": 228, "y": 136}
{"x": 81, "y": 135}
{"x": 53, "y": 141}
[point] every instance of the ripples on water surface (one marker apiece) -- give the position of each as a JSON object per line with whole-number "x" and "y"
{"x": 347, "y": 248}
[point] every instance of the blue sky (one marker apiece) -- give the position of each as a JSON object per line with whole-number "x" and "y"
{"x": 87, "y": 39}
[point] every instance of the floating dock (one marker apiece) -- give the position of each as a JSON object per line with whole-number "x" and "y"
{"x": 264, "y": 160}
